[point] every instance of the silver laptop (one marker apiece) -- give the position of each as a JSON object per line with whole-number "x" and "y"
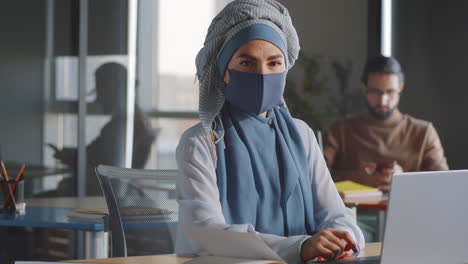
{"x": 427, "y": 220}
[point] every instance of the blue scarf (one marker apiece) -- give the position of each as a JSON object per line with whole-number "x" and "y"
{"x": 263, "y": 173}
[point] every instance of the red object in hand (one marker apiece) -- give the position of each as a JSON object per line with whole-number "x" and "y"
{"x": 384, "y": 165}
{"x": 342, "y": 256}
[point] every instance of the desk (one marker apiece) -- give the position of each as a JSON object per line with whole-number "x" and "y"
{"x": 95, "y": 242}
{"x": 380, "y": 207}
{"x": 52, "y": 213}
{"x": 95, "y": 236}
{"x": 371, "y": 249}
{"x": 46, "y": 217}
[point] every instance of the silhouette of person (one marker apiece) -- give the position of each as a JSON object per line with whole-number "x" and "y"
{"x": 109, "y": 147}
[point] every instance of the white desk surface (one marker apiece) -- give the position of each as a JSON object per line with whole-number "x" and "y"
{"x": 372, "y": 249}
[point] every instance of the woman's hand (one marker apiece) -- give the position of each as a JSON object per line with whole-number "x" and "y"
{"x": 328, "y": 243}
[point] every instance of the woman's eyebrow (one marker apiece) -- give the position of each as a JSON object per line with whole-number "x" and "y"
{"x": 273, "y": 57}
{"x": 246, "y": 56}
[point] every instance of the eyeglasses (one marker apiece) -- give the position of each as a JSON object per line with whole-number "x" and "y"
{"x": 375, "y": 93}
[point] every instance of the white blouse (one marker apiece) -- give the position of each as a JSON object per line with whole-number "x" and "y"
{"x": 198, "y": 196}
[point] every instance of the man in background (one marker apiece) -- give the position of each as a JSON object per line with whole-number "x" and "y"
{"x": 108, "y": 147}
{"x": 369, "y": 147}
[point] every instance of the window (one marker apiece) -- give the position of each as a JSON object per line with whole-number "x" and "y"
{"x": 171, "y": 32}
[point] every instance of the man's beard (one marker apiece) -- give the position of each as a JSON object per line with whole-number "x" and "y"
{"x": 381, "y": 115}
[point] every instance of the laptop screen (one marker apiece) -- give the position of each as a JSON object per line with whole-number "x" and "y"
{"x": 427, "y": 218}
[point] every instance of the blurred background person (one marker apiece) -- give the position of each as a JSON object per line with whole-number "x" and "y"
{"x": 108, "y": 147}
{"x": 369, "y": 147}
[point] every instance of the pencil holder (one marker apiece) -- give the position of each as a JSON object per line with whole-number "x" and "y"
{"x": 12, "y": 196}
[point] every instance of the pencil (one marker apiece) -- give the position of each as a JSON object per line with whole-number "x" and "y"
{"x": 17, "y": 179}
{"x": 8, "y": 184}
{"x": 4, "y": 194}
{"x": 20, "y": 173}
{"x": 4, "y": 172}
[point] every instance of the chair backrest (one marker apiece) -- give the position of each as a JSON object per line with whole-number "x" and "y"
{"x": 142, "y": 209}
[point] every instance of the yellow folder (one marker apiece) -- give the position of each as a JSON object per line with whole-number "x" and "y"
{"x": 348, "y": 187}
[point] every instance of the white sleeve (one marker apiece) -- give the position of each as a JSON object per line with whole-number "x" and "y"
{"x": 198, "y": 198}
{"x": 329, "y": 209}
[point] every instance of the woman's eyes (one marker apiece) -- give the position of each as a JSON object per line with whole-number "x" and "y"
{"x": 248, "y": 63}
{"x": 274, "y": 63}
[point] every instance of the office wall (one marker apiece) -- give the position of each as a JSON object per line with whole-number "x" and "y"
{"x": 431, "y": 40}
{"x": 107, "y": 27}
{"x": 336, "y": 30}
{"x": 331, "y": 27}
{"x": 22, "y": 40}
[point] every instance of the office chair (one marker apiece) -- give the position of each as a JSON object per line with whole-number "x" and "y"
{"x": 142, "y": 209}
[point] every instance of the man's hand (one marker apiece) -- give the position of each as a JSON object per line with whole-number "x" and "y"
{"x": 373, "y": 175}
{"x": 379, "y": 174}
{"x": 328, "y": 243}
{"x": 53, "y": 147}
{"x": 66, "y": 155}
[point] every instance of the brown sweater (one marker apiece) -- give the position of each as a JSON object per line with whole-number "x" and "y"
{"x": 412, "y": 143}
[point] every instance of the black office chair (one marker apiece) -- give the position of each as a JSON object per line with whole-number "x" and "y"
{"x": 142, "y": 210}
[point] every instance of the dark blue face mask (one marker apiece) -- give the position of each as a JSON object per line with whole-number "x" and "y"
{"x": 255, "y": 93}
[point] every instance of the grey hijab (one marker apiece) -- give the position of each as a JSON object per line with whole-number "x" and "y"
{"x": 234, "y": 17}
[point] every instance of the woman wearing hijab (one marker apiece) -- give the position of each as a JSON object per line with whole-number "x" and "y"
{"x": 248, "y": 166}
